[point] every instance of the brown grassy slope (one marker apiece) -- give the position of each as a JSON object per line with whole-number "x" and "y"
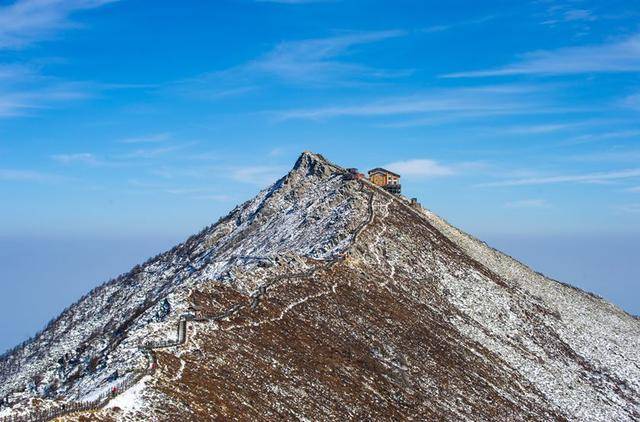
{"x": 347, "y": 344}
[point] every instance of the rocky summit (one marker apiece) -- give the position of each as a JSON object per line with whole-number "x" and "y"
{"x": 327, "y": 298}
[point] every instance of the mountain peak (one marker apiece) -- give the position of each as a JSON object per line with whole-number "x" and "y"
{"x": 325, "y": 295}
{"x": 314, "y": 164}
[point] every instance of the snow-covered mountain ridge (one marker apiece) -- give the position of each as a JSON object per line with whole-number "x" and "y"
{"x": 322, "y": 267}
{"x": 111, "y": 321}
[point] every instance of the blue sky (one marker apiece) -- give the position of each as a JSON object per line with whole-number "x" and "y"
{"x": 131, "y": 120}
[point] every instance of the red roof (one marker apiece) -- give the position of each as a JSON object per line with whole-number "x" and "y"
{"x": 381, "y": 170}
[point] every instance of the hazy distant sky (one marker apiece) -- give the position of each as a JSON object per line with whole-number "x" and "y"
{"x": 150, "y": 119}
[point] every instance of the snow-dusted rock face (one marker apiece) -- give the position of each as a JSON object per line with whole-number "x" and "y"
{"x": 328, "y": 298}
{"x": 310, "y": 212}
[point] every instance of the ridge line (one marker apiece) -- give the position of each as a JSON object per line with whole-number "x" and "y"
{"x": 183, "y": 327}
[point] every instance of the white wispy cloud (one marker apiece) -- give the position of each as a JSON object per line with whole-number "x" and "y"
{"x": 560, "y": 14}
{"x": 15, "y": 73}
{"x": 276, "y": 152}
{"x": 525, "y": 107}
{"x": 147, "y": 139}
{"x": 83, "y": 157}
{"x": 204, "y": 193}
{"x": 555, "y": 126}
{"x": 477, "y": 101}
{"x": 155, "y": 152}
{"x": 603, "y": 136}
{"x": 318, "y": 60}
{"x": 615, "y": 155}
{"x": 16, "y": 104}
{"x": 618, "y": 56}
{"x": 629, "y": 208}
{"x": 579, "y": 15}
{"x": 601, "y": 177}
{"x": 528, "y": 203}
{"x": 23, "y": 91}
{"x": 129, "y": 159}
{"x": 539, "y": 129}
{"x": 213, "y": 197}
{"x": 635, "y": 189}
{"x": 420, "y": 168}
{"x": 632, "y": 101}
{"x": 258, "y": 175}
{"x": 459, "y": 24}
{"x": 24, "y": 22}
{"x": 199, "y": 193}
{"x": 27, "y": 176}
{"x": 311, "y": 62}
